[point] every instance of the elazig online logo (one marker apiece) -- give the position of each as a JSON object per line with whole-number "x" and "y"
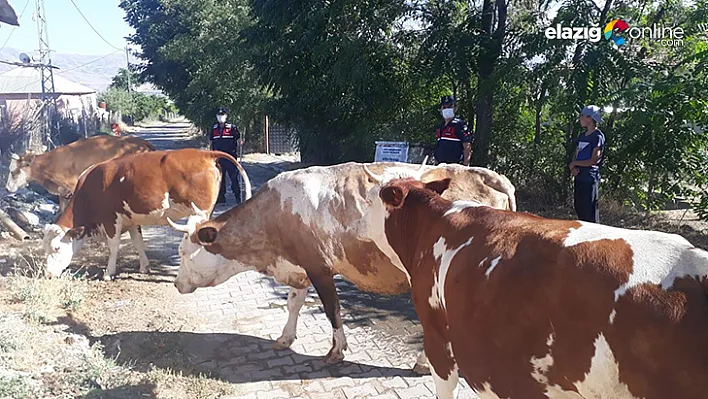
{"x": 618, "y": 31}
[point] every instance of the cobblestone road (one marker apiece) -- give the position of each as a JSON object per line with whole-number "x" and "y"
{"x": 245, "y": 314}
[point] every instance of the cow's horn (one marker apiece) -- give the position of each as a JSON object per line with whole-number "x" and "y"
{"x": 198, "y": 211}
{"x": 178, "y": 227}
{"x": 377, "y": 179}
{"x": 15, "y": 156}
{"x": 424, "y": 162}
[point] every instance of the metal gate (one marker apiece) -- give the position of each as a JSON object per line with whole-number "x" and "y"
{"x": 280, "y": 140}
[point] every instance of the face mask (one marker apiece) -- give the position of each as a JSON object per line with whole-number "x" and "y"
{"x": 448, "y": 113}
{"x": 221, "y": 118}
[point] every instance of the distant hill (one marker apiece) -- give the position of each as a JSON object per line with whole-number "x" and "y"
{"x": 89, "y": 70}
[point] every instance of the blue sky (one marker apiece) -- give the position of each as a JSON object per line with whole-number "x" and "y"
{"x": 68, "y": 32}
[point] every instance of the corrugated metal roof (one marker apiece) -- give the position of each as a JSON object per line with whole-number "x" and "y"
{"x": 24, "y": 80}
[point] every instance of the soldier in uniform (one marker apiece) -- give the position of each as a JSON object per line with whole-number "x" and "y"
{"x": 454, "y": 137}
{"x": 226, "y": 137}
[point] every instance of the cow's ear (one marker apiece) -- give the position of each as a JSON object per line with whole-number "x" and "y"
{"x": 207, "y": 235}
{"x": 393, "y": 195}
{"x": 76, "y": 232}
{"x": 439, "y": 186}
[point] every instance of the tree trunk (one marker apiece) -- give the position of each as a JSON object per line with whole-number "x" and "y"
{"x": 490, "y": 52}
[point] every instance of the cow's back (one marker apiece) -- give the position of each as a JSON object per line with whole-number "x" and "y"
{"x": 65, "y": 164}
{"x": 328, "y": 203}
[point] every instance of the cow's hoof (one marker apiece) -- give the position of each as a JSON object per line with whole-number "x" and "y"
{"x": 283, "y": 343}
{"x": 144, "y": 271}
{"x": 421, "y": 369}
{"x": 334, "y": 357}
{"x": 107, "y": 277}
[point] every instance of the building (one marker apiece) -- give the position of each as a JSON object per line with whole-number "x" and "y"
{"x": 21, "y": 92}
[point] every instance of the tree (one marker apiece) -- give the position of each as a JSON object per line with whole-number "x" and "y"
{"x": 121, "y": 79}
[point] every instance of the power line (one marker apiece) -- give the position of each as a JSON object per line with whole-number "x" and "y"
{"x": 13, "y": 28}
{"x": 94, "y": 29}
{"x": 71, "y": 69}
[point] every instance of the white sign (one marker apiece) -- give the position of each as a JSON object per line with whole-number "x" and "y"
{"x": 391, "y": 151}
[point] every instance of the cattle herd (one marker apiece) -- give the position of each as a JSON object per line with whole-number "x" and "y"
{"x": 521, "y": 306}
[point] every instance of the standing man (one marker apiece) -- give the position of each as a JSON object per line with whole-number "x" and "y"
{"x": 226, "y": 137}
{"x": 454, "y": 137}
{"x": 586, "y": 165}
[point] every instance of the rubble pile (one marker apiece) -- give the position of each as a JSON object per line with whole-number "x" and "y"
{"x": 28, "y": 209}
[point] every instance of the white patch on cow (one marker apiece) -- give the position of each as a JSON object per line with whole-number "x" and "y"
{"x": 612, "y": 316}
{"x": 19, "y": 179}
{"x": 459, "y": 206}
{"x": 446, "y": 388}
{"x": 658, "y": 258}
{"x": 340, "y": 345}
{"x": 543, "y": 364}
{"x": 486, "y": 392}
{"x": 602, "y": 381}
{"x": 314, "y": 207}
{"x": 58, "y": 248}
{"x": 168, "y": 208}
{"x": 122, "y": 179}
{"x": 493, "y": 265}
{"x": 444, "y": 256}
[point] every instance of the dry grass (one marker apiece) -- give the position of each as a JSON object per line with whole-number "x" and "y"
{"x": 43, "y": 354}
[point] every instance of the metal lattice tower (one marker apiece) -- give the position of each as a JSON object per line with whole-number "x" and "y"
{"x": 46, "y": 72}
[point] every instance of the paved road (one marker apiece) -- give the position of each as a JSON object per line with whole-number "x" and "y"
{"x": 247, "y": 312}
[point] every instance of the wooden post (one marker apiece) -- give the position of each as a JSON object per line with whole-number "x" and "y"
{"x": 12, "y": 227}
{"x": 267, "y": 135}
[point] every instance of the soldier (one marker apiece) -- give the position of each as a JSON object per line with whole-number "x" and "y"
{"x": 454, "y": 137}
{"x": 226, "y": 137}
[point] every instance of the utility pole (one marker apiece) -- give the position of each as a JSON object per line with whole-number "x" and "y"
{"x": 127, "y": 71}
{"x": 49, "y": 98}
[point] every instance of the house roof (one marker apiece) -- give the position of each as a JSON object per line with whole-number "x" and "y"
{"x": 25, "y": 80}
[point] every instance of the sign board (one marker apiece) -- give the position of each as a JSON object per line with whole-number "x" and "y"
{"x": 391, "y": 151}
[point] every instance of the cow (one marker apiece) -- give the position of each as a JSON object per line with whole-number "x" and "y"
{"x": 58, "y": 170}
{"x": 303, "y": 227}
{"x": 528, "y": 307}
{"x": 136, "y": 190}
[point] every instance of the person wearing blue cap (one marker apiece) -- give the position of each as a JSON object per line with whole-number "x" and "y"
{"x": 586, "y": 165}
{"x": 454, "y": 139}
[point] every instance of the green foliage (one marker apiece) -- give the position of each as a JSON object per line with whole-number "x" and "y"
{"x": 121, "y": 79}
{"x": 141, "y": 106}
{"x": 347, "y": 73}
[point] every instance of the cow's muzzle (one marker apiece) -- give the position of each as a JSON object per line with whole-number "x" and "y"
{"x": 184, "y": 288}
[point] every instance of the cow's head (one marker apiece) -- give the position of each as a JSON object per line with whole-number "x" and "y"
{"x": 19, "y": 172}
{"x": 201, "y": 265}
{"x": 60, "y": 244}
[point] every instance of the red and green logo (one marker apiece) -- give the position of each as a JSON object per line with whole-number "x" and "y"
{"x": 613, "y": 29}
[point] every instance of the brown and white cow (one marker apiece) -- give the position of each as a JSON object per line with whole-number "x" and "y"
{"x": 58, "y": 170}
{"x": 305, "y": 226}
{"x": 528, "y": 307}
{"x": 125, "y": 193}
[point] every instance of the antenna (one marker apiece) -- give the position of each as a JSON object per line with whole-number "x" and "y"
{"x": 25, "y": 58}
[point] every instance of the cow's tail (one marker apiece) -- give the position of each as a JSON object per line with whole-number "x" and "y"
{"x": 246, "y": 182}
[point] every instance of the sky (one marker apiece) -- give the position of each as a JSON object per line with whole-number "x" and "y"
{"x": 68, "y": 32}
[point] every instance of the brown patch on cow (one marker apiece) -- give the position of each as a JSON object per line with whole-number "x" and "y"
{"x": 541, "y": 289}
{"x": 659, "y": 339}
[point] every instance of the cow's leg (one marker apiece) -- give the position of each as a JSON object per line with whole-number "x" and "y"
{"x": 136, "y": 235}
{"x": 324, "y": 284}
{"x": 113, "y": 243}
{"x": 296, "y": 298}
{"x": 442, "y": 364}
